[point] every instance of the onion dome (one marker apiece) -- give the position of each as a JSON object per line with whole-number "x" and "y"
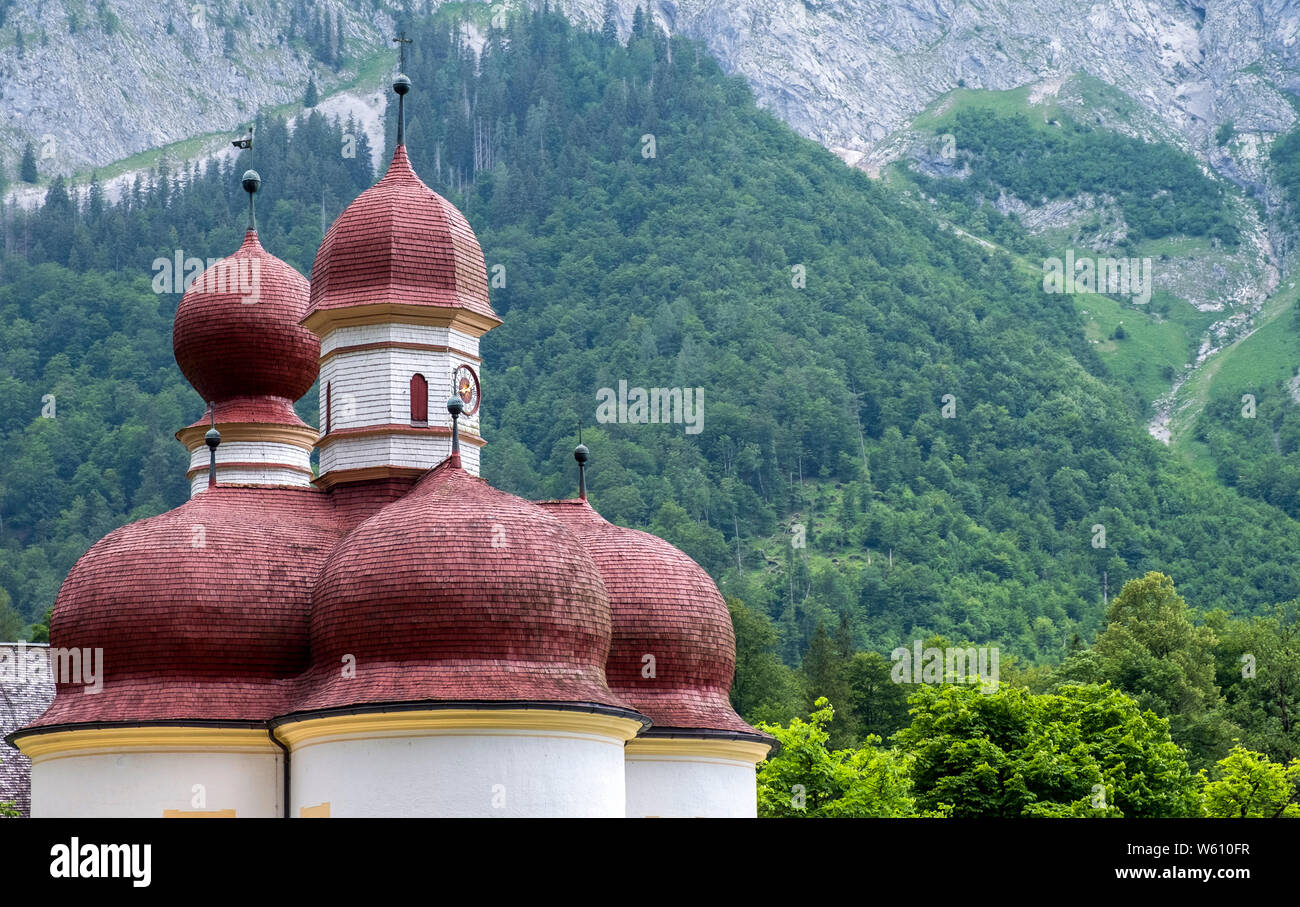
{"x": 673, "y": 651}
{"x": 237, "y": 331}
{"x": 458, "y": 593}
{"x": 401, "y": 247}
{"x": 201, "y": 613}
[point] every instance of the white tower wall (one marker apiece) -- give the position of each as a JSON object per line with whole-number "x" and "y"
{"x": 174, "y": 771}
{"x": 365, "y": 386}
{"x": 686, "y": 778}
{"x": 518, "y": 764}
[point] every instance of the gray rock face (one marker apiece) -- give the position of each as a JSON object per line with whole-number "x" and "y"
{"x": 852, "y": 73}
{"x": 855, "y": 75}
{"x": 26, "y": 691}
{"x": 100, "y": 81}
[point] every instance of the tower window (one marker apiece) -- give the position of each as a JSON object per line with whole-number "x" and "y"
{"x": 419, "y": 399}
{"x": 329, "y": 393}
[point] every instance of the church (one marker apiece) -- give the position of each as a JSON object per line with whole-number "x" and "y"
{"x": 386, "y": 634}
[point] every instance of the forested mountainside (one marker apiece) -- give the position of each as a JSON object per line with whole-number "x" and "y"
{"x": 652, "y": 225}
{"x": 904, "y": 439}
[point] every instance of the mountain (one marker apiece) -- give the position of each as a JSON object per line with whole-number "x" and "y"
{"x": 903, "y": 434}
{"x": 851, "y": 74}
{"x": 91, "y": 82}
{"x": 878, "y": 83}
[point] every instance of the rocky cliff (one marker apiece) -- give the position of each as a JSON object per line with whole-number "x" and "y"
{"x": 90, "y": 82}
{"x": 852, "y": 73}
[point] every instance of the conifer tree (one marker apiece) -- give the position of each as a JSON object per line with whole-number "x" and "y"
{"x": 608, "y": 28}
{"x": 27, "y": 170}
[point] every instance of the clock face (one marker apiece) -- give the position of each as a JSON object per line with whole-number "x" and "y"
{"x": 466, "y": 387}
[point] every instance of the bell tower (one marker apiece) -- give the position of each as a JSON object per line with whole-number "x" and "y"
{"x": 399, "y": 300}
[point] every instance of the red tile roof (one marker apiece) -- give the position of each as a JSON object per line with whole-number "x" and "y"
{"x": 201, "y": 612}
{"x": 243, "y": 604}
{"x": 229, "y": 348}
{"x": 262, "y": 410}
{"x": 664, "y": 605}
{"x": 459, "y": 592}
{"x": 400, "y": 243}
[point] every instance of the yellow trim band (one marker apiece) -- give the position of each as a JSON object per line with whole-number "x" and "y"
{"x": 291, "y": 435}
{"x": 143, "y": 739}
{"x": 322, "y": 321}
{"x": 384, "y": 723}
{"x": 696, "y": 748}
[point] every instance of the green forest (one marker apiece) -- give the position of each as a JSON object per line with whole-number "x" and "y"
{"x": 1159, "y": 190}
{"x": 904, "y": 438}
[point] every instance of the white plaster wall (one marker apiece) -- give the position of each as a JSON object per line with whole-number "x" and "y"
{"x": 359, "y": 390}
{"x": 373, "y": 387}
{"x": 268, "y": 475}
{"x": 527, "y": 774}
{"x": 419, "y": 451}
{"x": 437, "y": 369}
{"x": 271, "y": 452}
{"x": 143, "y": 784}
{"x": 684, "y": 787}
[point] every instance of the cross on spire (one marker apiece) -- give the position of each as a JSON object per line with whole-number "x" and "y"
{"x": 401, "y": 85}
{"x": 401, "y": 41}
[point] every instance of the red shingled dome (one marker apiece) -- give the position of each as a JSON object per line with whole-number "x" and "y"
{"x": 400, "y": 243}
{"x": 458, "y": 592}
{"x": 201, "y": 612}
{"x": 665, "y": 605}
{"x": 228, "y": 347}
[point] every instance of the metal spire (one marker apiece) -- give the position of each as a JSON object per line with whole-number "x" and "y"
{"x": 581, "y": 454}
{"x": 252, "y": 182}
{"x": 455, "y": 406}
{"x": 212, "y": 439}
{"x": 401, "y": 85}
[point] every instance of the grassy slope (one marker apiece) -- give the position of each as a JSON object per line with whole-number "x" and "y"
{"x": 1256, "y": 364}
{"x": 1155, "y": 343}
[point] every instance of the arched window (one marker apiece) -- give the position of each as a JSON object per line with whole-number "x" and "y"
{"x": 419, "y": 398}
{"x": 329, "y": 393}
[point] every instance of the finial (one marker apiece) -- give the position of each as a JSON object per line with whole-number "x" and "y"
{"x": 455, "y": 406}
{"x": 252, "y": 182}
{"x": 401, "y": 85}
{"x": 212, "y": 439}
{"x": 581, "y": 454}
{"x": 401, "y": 41}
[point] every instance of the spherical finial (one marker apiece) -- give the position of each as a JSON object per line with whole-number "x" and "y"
{"x": 455, "y": 406}
{"x": 401, "y": 84}
{"x": 580, "y": 453}
{"x": 212, "y": 438}
{"x": 252, "y": 181}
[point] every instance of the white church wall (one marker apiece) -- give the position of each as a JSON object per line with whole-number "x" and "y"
{"x": 261, "y": 463}
{"x": 684, "y": 785}
{"x": 244, "y": 475}
{"x": 419, "y": 451}
{"x": 519, "y": 773}
{"x": 142, "y": 784}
